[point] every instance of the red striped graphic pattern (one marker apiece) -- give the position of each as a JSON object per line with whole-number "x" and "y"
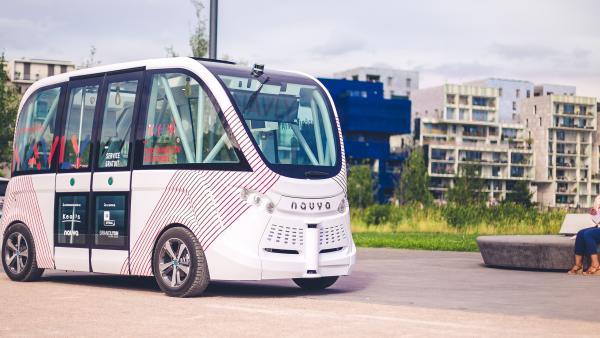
{"x": 205, "y": 201}
{"x": 21, "y": 205}
{"x": 341, "y": 178}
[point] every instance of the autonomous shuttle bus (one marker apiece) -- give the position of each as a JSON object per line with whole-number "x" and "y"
{"x": 183, "y": 169}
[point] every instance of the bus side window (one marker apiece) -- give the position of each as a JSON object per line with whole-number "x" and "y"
{"x": 182, "y": 125}
{"x": 75, "y": 148}
{"x": 35, "y": 139}
{"x": 116, "y": 124}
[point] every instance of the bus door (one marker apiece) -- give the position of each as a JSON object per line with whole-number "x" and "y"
{"x": 93, "y": 194}
{"x": 111, "y": 181}
{"x": 74, "y": 177}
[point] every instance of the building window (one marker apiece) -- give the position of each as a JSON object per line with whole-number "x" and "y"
{"x": 389, "y": 80}
{"x": 526, "y": 122}
{"x": 534, "y": 109}
{"x": 528, "y": 93}
{"x": 354, "y": 77}
{"x": 63, "y": 69}
{"x": 482, "y": 101}
{"x": 514, "y": 105}
{"x": 480, "y": 115}
{"x": 408, "y": 82}
{"x": 500, "y": 91}
{"x": 540, "y": 121}
{"x": 50, "y": 70}
{"x": 450, "y": 99}
{"x": 26, "y": 71}
{"x": 518, "y": 93}
{"x": 373, "y": 78}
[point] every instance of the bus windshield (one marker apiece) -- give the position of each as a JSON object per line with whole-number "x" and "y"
{"x": 289, "y": 117}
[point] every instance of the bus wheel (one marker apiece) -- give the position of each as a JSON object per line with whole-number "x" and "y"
{"x": 179, "y": 264}
{"x": 18, "y": 255}
{"x": 315, "y": 283}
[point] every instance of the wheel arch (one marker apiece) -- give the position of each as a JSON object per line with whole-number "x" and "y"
{"x": 159, "y": 235}
{"x": 13, "y": 223}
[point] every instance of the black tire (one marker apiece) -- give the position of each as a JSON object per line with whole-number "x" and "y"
{"x": 197, "y": 278}
{"x": 28, "y": 272}
{"x": 315, "y": 284}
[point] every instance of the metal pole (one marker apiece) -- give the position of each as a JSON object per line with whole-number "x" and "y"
{"x": 212, "y": 38}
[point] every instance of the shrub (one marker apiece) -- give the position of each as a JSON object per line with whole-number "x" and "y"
{"x": 378, "y": 214}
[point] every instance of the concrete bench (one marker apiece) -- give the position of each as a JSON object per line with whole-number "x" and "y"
{"x": 543, "y": 252}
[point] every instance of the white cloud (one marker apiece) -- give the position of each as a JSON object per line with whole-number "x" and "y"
{"x": 449, "y": 41}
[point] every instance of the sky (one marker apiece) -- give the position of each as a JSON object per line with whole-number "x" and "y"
{"x": 548, "y": 41}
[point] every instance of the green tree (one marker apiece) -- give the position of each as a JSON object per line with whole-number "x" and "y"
{"x": 520, "y": 194}
{"x": 360, "y": 186}
{"x": 198, "y": 41}
{"x": 414, "y": 182}
{"x": 468, "y": 186}
{"x": 9, "y": 104}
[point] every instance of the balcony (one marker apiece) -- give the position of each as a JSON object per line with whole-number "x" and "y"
{"x": 441, "y": 171}
{"x": 473, "y": 134}
{"x": 522, "y": 163}
{"x": 442, "y": 159}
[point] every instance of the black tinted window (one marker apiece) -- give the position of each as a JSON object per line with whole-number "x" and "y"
{"x": 3, "y": 188}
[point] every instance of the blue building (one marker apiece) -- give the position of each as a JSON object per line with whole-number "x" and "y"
{"x": 368, "y": 120}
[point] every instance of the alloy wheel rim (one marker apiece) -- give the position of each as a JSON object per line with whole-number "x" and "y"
{"x": 174, "y": 263}
{"x": 16, "y": 253}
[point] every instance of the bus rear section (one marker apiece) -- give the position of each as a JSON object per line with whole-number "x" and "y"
{"x": 185, "y": 170}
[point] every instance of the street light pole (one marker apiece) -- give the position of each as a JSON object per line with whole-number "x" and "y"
{"x": 212, "y": 38}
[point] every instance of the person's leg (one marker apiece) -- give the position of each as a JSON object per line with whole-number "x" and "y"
{"x": 591, "y": 238}
{"x": 580, "y": 250}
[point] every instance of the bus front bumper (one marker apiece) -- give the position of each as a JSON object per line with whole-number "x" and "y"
{"x": 291, "y": 248}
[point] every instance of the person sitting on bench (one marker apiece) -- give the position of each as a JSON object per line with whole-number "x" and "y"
{"x": 586, "y": 243}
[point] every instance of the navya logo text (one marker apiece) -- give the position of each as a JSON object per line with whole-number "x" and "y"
{"x": 311, "y": 206}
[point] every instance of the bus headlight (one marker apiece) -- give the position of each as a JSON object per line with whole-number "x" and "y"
{"x": 244, "y": 193}
{"x": 342, "y": 207}
{"x": 270, "y": 207}
{"x": 256, "y": 200}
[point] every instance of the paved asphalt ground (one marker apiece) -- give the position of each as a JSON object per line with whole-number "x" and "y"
{"x": 390, "y": 293}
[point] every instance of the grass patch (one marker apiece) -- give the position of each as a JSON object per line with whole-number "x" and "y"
{"x": 452, "y": 228}
{"x": 417, "y": 240}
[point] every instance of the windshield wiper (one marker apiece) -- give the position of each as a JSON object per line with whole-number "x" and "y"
{"x": 254, "y": 95}
{"x": 315, "y": 174}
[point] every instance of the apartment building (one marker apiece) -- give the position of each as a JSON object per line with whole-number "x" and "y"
{"x": 554, "y": 89}
{"x": 458, "y": 125}
{"x": 565, "y": 128}
{"x": 24, "y": 72}
{"x": 396, "y": 82}
{"x": 511, "y": 92}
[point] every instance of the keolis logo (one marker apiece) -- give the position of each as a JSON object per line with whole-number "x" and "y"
{"x": 311, "y": 206}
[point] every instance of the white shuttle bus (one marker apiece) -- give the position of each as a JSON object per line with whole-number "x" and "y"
{"x": 183, "y": 169}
